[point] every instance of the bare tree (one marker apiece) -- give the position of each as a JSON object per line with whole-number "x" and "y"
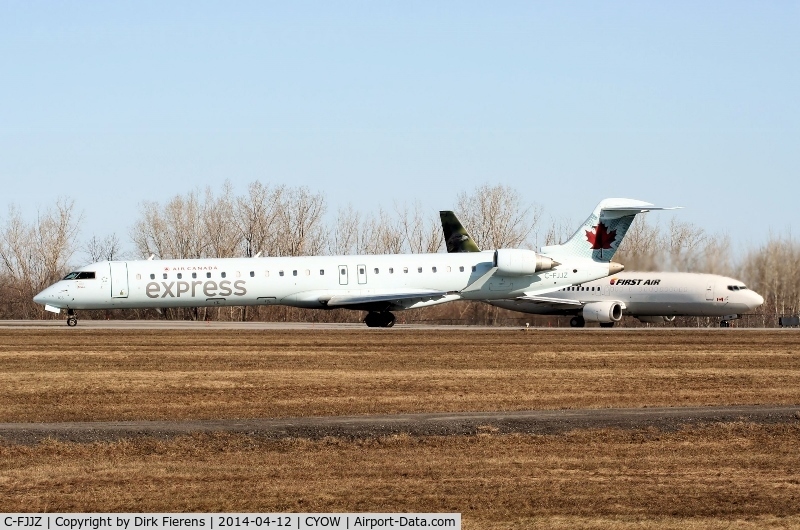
{"x": 256, "y": 217}
{"x": 35, "y": 255}
{"x": 346, "y": 232}
{"x": 422, "y": 233}
{"x": 495, "y": 218}
{"x": 772, "y": 271}
{"x": 149, "y": 232}
{"x": 106, "y": 249}
{"x": 220, "y": 230}
{"x": 684, "y": 243}
{"x": 641, "y": 250}
{"x": 300, "y": 223}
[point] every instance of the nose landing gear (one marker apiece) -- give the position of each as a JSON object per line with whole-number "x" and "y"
{"x": 72, "y": 319}
{"x": 383, "y": 319}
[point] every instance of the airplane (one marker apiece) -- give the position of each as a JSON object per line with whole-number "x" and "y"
{"x": 651, "y": 297}
{"x": 377, "y": 284}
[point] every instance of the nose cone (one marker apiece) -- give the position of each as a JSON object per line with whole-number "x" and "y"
{"x": 42, "y": 298}
{"x": 755, "y": 300}
{"x": 47, "y": 296}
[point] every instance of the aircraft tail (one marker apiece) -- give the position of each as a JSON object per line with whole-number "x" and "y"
{"x": 603, "y": 232}
{"x": 456, "y": 237}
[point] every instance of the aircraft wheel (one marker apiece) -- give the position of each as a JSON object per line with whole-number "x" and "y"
{"x": 724, "y": 324}
{"x": 606, "y": 324}
{"x": 577, "y": 322}
{"x": 72, "y": 321}
{"x": 379, "y": 320}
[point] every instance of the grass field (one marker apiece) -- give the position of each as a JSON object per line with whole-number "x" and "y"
{"x": 717, "y": 476}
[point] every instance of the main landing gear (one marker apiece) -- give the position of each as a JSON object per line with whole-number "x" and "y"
{"x": 382, "y": 319}
{"x": 577, "y": 322}
{"x": 72, "y": 319}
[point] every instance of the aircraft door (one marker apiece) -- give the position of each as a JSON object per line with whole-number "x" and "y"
{"x": 710, "y": 292}
{"x": 343, "y": 275}
{"x": 119, "y": 279}
{"x": 362, "y": 274}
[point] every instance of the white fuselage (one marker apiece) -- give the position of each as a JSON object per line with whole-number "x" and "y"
{"x": 369, "y": 282}
{"x": 650, "y": 294}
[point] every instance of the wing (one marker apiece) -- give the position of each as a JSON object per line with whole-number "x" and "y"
{"x": 549, "y": 301}
{"x": 397, "y": 297}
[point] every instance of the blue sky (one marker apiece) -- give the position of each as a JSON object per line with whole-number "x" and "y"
{"x": 677, "y": 103}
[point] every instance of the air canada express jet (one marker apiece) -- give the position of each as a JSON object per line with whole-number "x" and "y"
{"x": 377, "y": 284}
{"x": 651, "y": 297}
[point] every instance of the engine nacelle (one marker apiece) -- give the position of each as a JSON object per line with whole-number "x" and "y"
{"x": 602, "y": 312}
{"x": 521, "y": 262}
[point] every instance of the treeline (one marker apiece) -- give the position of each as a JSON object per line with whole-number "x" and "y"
{"x": 279, "y": 220}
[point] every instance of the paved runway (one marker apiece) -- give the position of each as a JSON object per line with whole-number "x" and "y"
{"x": 438, "y": 424}
{"x": 194, "y": 324}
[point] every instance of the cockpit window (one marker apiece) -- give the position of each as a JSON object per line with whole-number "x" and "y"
{"x": 737, "y": 287}
{"x": 81, "y": 275}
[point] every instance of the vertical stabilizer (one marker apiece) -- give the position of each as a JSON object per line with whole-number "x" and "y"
{"x": 456, "y": 237}
{"x": 602, "y": 233}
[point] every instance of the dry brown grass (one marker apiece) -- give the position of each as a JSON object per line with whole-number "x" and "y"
{"x": 705, "y": 477}
{"x": 70, "y": 375}
{"x": 724, "y": 476}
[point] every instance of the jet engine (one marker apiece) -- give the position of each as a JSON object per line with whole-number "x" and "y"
{"x": 521, "y": 262}
{"x": 602, "y": 311}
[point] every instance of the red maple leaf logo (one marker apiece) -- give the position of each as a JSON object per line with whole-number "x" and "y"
{"x": 601, "y": 238}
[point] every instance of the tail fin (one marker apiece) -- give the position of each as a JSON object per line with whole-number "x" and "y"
{"x": 602, "y": 233}
{"x": 456, "y": 237}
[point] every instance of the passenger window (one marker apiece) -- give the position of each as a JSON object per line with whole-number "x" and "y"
{"x": 194, "y": 275}
{"x": 419, "y": 269}
{"x": 165, "y": 275}
{"x": 208, "y": 275}
{"x": 294, "y": 272}
{"x": 405, "y": 270}
{"x": 280, "y": 273}
{"x": 474, "y": 268}
{"x": 376, "y": 270}
{"x": 461, "y": 269}
{"x": 223, "y": 274}
{"x": 322, "y": 272}
{"x": 433, "y": 269}
{"x": 252, "y": 274}
{"x": 391, "y": 270}
{"x": 152, "y": 276}
{"x": 180, "y": 275}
